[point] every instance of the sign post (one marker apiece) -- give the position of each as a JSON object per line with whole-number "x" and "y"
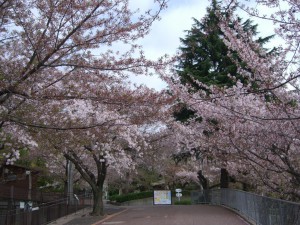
{"x": 178, "y": 193}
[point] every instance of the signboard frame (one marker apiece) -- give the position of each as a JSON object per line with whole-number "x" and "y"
{"x": 162, "y": 197}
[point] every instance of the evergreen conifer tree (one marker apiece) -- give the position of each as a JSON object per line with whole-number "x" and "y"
{"x": 204, "y": 55}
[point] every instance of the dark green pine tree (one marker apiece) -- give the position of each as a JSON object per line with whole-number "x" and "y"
{"x": 204, "y": 57}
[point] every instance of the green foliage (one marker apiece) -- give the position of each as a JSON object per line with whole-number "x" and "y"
{"x": 1, "y": 75}
{"x": 112, "y": 191}
{"x": 183, "y": 202}
{"x": 205, "y": 57}
{"x": 44, "y": 180}
{"x": 183, "y": 114}
{"x": 131, "y": 196}
{"x": 27, "y": 161}
{"x": 144, "y": 179}
{"x": 24, "y": 158}
{"x": 293, "y": 103}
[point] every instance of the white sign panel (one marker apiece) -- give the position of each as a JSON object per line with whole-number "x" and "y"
{"x": 178, "y": 195}
{"x": 162, "y": 198}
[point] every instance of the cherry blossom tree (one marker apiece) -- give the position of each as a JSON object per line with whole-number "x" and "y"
{"x": 62, "y": 71}
{"x": 256, "y": 136}
{"x": 164, "y": 157}
{"x": 115, "y": 140}
{"x": 42, "y": 43}
{"x": 272, "y": 145}
{"x": 158, "y": 157}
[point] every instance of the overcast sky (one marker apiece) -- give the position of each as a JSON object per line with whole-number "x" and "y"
{"x": 165, "y": 34}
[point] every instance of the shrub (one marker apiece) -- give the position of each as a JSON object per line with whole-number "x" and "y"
{"x": 131, "y": 196}
{"x": 183, "y": 202}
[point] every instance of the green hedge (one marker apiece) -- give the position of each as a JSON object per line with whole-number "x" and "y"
{"x": 183, "y": 202}
{"x": 140, "y": 195}
{"x": 131, "y": 196}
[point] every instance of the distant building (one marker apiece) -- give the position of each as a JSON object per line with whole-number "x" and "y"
{"x": 17, "y": 183}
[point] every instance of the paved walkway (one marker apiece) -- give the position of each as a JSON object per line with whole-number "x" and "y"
{"x": 176, "y": 215}
{"x": 83, "y": 217}
{"x": 158, "y": 215}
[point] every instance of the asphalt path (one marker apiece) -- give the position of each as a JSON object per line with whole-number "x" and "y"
{"x": 174, "y": 215}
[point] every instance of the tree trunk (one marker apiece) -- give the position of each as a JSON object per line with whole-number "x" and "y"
{"x": 96, "y": 183}
{"x": 203, "y": 180}
{"x": 98, "y": 207}
{"x": 224, "y": 181}
{"x": 120, "y": 191}
{"x": 246, "y": 187}
{"x": 66, "y": 179}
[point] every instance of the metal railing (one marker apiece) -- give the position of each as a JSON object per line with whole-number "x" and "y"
{"x": 38, "y": 214}
{"x": 258, "y": 209}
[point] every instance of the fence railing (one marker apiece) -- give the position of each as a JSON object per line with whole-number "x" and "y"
{"x": 43, "y": 213}
{"x": 258, "y": 209}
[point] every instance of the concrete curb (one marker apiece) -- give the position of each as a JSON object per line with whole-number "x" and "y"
{"x": 109, "y": 217}
{"x": 70, "y": 217}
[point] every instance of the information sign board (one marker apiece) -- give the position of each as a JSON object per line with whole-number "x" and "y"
{"x": 162, "y": 197}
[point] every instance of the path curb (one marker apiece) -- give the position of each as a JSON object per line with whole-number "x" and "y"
{"x": 109, "y": 217}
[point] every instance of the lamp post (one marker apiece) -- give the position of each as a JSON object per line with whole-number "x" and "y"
{"x": 29, "y": 203}
{"x": 28, "y": 172}
{"x": 70, "y": 182}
